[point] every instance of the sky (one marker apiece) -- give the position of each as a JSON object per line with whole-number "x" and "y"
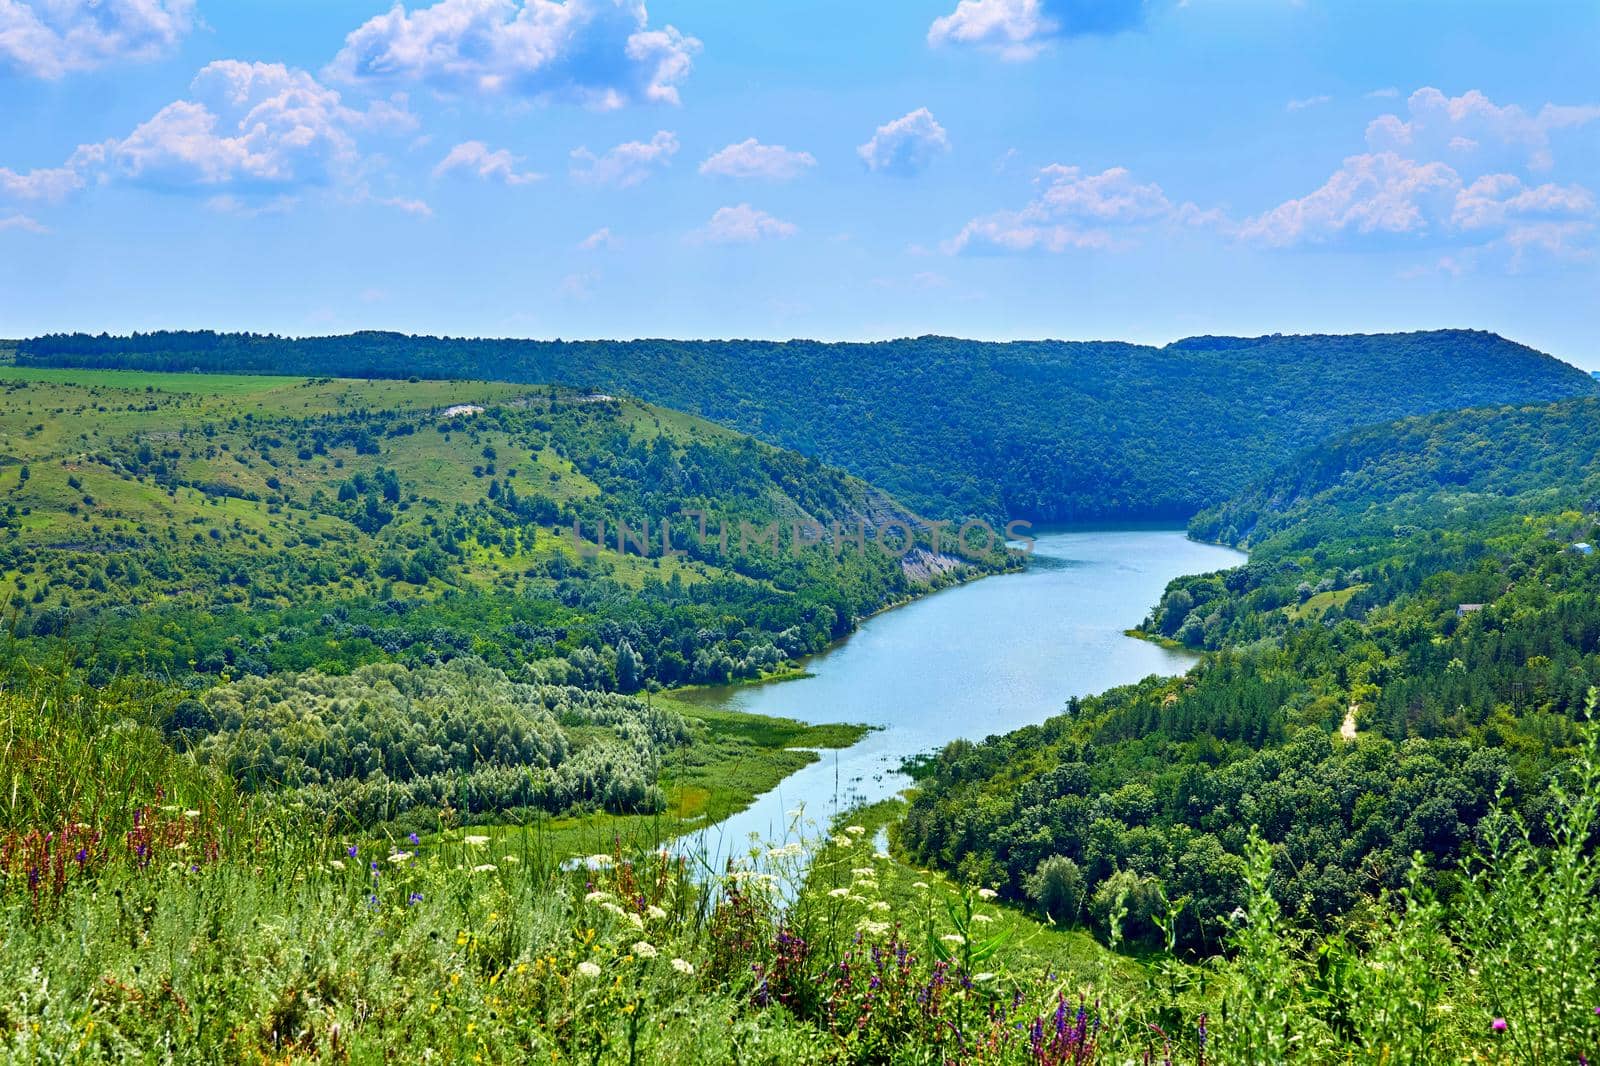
{"x": 1081, "y": 169}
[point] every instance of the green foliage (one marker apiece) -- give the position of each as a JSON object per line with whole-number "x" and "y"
{"x": 1036, "y": 429}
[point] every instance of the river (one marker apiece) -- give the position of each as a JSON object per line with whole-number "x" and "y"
{"x": 969, "y": 661}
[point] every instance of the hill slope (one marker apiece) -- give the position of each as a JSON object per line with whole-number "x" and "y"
{"x": 234, "y": 524}
{"x": 1040, "y": 429}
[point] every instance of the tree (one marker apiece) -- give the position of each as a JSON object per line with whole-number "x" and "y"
{"x": 1056, "y": 887}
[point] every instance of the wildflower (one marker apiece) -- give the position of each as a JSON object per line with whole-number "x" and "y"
{"x": 872, "y": 928}
{"x": 415, "y": 840}
{"x": 351, "y": 851}
{"x": 862, "y": 871}
{"x": 599, "y": 862}
{"x": 337, "y": 864}
{"x": 400, "y": 857}
{"x": 923, "y": 885}
{"x": 416, "y": 898}
{"x": 980, "y": 978}
{"x": 686, "y": 968}
{"x": 596, "y": 897}
{"x": 191, "y": 814}
{"x": 953, "y": 938}
{"x": 655, "y": 912}
{"x": 839, "y": 893}
{"x": 881, "y": 856}
{"x": 477, "y": 841}
{"x": 588, "y": 969}
{"x": 644, "y": 949}
{"x": 987, "y": 893}
{"x": 982, "y": 918}
{"x": 879, "y": 905}
{"x": 1499, "y": 1025}
{"x": 854, "y": 830}
{"x": 484, "y": 868}
{"x": 613, "y": 908}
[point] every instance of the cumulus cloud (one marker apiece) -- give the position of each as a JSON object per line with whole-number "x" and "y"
{"x": 600, "y": 238}
{"x": 21, "y": 222}
{"x": 600, "y": 53}
{"x": 1436, "y": 123}
{"x": 248, "y": 134}
{"x": 478, "y": 159}
{"x": 1386, "y": 196}
{"x": 1443, "y": 175}
{"x": 1375, "y": 193}
{"x": 1075, "y": 210}
{"x": 628, "y": 163}
{"x": 905, "y": 146}
{"x": 53, "y": 38}
{"x": 743, "y": 224}
{"x": 1021, "y": 29}
{"x": 752, "y": 159}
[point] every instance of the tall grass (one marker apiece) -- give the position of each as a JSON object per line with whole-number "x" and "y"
{"x": 200, "y": 927}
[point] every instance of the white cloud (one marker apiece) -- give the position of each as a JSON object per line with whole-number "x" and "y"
{"x": 743, "y": 224}
{"x": 1435, "y": 121}
{"x": 479, "y": 159}
{"x": 46, "y": 183}
{"x": 21, "y": 222}
{"x": 1074, "y": 210}
{"x": 1498, "y": 200}
{"x": 627, "y": 164}
{"x": 252, "y": 125}
{"x": 1021, "y": 29}
{"x": 1383, "y": 195}
{"x": 600, "y": 238}
{"x": 1307, "y": 102}
{"x": 752, "y": 159}
{"x": 1376, "y": 193}
{"x": 53, "y": 38}
{"x": 406, "y": 205}
{"x": 905, "y": 146}
{"x": 600, "y": 53}
{"x": 248, "y": 136}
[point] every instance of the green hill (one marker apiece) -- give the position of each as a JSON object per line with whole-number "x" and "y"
{"x": 1044, "y": 430}
{"x": 1430, "y": 470}
{"x": 243, "y": 525}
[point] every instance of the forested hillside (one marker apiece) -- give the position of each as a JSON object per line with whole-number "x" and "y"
{"x": 1043, "y": 430}
{"x": 1412, "y": 639}
{"x": 169, "y": 524}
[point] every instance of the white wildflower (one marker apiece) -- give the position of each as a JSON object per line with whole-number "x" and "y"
{"x": 982, "y": 918}
{"x": 872, "y": 928}
{"x": 588, "y": 969}
{"x": 683, "y": 967}
{"x": 953, "y": 938}
{"x": 980, "y": 978}
{"x": 399, "y": 857}
{"x": 854, "y": 830}
{"x": 644, "y": 949}
{"x": 839, "y": 893}
{"x": 477, "y": 841}
{"x": 484, "y": 868}
{"x": 596, "y": 897}
{"x": 656, "y": 913}
{"x": 987, "y": 893}
{"x": 923, "y": 885}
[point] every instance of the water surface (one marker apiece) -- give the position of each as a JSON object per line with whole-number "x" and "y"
{"x": 969, "y": 661}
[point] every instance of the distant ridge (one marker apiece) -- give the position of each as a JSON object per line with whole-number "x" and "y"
{"x": 1044, "y": 430}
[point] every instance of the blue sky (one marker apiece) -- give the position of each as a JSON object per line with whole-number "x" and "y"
{"x": 722, "y": 168}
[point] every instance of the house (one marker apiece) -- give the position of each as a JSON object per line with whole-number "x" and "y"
{"x": 1468, "y": 608}
{"x": 462, "y": 409}
{"x": 1583, "y": 548}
